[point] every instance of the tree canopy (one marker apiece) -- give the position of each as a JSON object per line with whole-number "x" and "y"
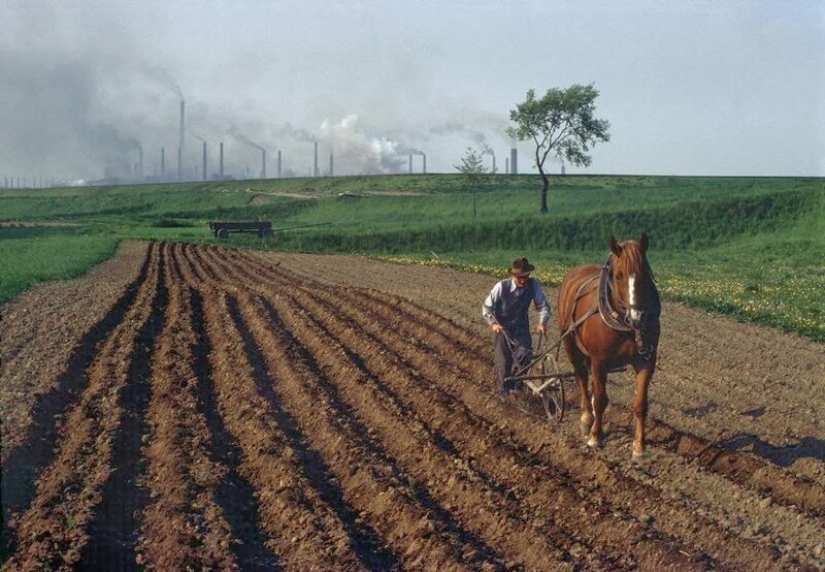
{"x": 562, "y": 124}
{"x": 473, "y": 172}
{"x": 472, "y": 167}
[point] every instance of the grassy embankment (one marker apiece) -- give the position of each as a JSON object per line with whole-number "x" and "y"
{"x": 749, "y": 247}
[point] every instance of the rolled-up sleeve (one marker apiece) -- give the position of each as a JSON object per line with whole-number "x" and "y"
{"x": 540, "y": 301}
{"x": 490, "y": 304}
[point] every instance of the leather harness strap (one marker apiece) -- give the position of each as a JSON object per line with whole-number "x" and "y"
{"x": 610, "y": 316}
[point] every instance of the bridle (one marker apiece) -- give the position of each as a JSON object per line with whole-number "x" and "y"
{"x": 621, "y": 319}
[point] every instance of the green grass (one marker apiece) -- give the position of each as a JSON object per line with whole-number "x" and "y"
{"x": 748, "y": 247}
{"x": 31, "y": 256}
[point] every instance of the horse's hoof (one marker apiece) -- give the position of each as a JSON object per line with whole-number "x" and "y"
{"x": 594, "y": 443}
{"x": 585, "y": 428}
{"x": 639, "y": 456}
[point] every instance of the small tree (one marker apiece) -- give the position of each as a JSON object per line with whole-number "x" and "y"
{"x": 561, "y": 123}
{"x": 473, "y": 172}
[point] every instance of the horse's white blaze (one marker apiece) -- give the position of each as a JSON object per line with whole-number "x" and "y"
{"x": 631, "y": 288}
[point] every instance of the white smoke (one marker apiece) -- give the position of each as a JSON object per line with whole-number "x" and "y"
{"x": 358, "y": 152}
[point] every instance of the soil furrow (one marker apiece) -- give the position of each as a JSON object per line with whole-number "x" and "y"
{"x": 466, "y": 485}
{"x": 698, "y": 536}
{"x": 742, "y": 468}
{"x": 113, "y": 532}
{"x": 23, "y": 462}
{"x": 288, "y": 506}
{"x": 178, "y": 529}
{"x": 50, "y": 332}
{"x": 475, "y": 438}
{"x": 201, "y": 407}
{"x": 416, "y": 345}
{"x": 372, "y": 481}
{"x": 364, "y": 540}
{"x": 56, "y": 527}
{"x": 362, "y": 534}
{"x": 233, "y": 494}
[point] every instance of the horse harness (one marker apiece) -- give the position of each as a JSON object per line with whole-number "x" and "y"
{"x": 612, "y": 318}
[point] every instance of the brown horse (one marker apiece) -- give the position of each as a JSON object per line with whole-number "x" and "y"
{"x": 609, "y": 317}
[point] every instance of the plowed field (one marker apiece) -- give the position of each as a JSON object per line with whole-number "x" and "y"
{"x": 194, "y": 407}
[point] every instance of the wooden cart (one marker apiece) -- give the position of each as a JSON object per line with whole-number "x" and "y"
{"x": 222, "y": 229}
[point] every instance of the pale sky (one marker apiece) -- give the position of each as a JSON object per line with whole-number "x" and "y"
{"x": 710, "y": 87}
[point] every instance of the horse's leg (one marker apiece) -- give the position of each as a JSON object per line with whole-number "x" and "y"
{"x": 643, "y": 375}
{"x": 586, "y": 419}
{"x": 580, "y": 372}
{"x": 599, "y": 383}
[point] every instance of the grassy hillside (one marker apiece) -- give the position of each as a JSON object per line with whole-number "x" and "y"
{"x": 751, "y": 247}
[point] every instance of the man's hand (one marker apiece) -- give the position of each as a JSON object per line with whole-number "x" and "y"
{"x": 541, "y": 329}
{"x": 496, "y": 328}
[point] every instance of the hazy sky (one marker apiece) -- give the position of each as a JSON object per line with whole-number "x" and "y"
{"x": 689, "y": 87}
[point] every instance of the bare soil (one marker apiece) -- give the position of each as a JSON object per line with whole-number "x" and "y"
{"x": 196, "y": 407}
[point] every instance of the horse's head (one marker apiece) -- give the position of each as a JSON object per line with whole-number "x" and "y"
{"x": 633, "y": 281}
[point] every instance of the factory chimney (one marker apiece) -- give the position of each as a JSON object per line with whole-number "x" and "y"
{"x": 279, "y": 163}
{"x": 507, "y": 164}
{"x": 315, "y": 169}
{"x": 424, "y": 170}
{"x": 263, "y": 163}
{"x": 514, "y": 161}
{"x": 221, "y": 163}
{"x": 162, "y": 163}
{"x": 182, "y": 124}
{"x": 180, "y": 164}
{"x": 410, "y": 163}
{"x": 204, "y": 161}
{"x": 330, "y": 164}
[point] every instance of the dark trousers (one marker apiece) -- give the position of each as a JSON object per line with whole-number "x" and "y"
{"x": 505, "y": 357}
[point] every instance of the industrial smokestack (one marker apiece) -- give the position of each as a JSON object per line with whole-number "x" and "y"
{"x": 182, "y": 125}
{"x": 279, "y": 163}
{"x": 162, "y": 163}
{"x": 514, "y": 161}
{"x": 204, "y": 161}
{"x": 180, "y": 164}
{"x": 507, "y": 165}
{"x": 330, "y": 164}
{"x": 263, "y": 163}
{"x": 410, "y": 163}
{"x": 315, "y": 169}
{"x": 424, "y": 170}
{"x": 221, "y": 165}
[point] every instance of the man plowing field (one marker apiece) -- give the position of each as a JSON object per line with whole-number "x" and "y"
{"x": 506, "y": 309}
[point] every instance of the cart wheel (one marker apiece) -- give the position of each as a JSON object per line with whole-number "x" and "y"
{"x": 552, "y": 396}
{"x": 222, "y": 233}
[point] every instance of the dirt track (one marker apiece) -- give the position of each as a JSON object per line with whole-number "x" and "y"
{"x": 197, "y": 407}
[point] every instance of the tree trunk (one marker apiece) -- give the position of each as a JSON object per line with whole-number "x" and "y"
{"x": 545, "y": 184}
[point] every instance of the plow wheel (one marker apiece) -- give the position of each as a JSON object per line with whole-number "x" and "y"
{"x": 552, "y": 396}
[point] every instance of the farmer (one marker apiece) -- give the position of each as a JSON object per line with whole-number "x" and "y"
{"x": 506, "y": 310}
